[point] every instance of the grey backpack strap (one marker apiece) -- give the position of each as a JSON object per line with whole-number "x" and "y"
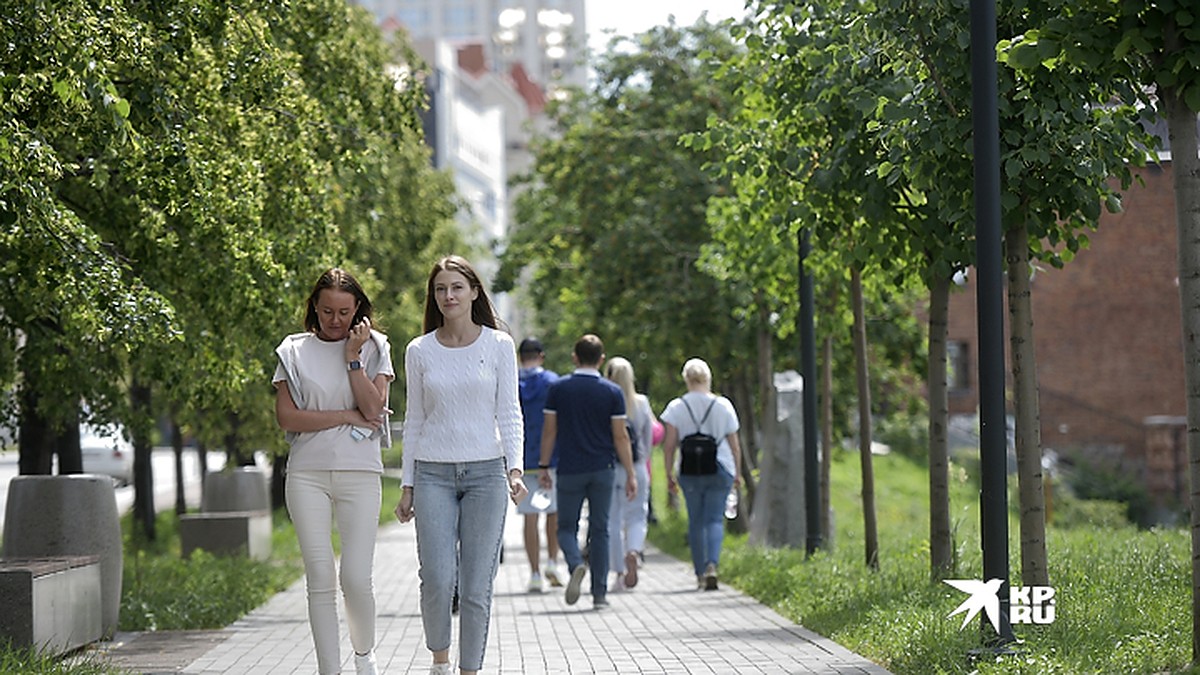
{"x": 700, "y": 424}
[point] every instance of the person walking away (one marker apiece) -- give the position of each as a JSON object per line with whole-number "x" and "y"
{"x": 705, "y": 484}
{"x": 463, "y": 436}
{"x": 585, "y": 420}
{"x": 627, "y": 520}
{"x": 534, "y": 386}
{"x": 331, "y": 390}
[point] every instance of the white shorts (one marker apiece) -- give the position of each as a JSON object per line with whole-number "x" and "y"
{"x": 527, "y": 507}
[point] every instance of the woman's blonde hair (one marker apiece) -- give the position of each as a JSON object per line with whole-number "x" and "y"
{"x": 620, "y": 371}
{"x": 696, "y": 371}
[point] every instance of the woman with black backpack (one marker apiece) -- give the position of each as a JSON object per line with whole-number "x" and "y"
{"x": 703, "y": 426}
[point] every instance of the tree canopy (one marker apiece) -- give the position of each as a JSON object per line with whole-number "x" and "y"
{"x": 173, "y": 177}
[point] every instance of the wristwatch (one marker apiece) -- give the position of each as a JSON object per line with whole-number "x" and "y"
{"x": 354, "y": 365}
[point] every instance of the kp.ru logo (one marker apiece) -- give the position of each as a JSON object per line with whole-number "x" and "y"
{"x": 1027, "y": 604}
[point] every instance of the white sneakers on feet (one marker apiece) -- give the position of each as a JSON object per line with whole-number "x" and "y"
{"x": 364, "y": 664}
{"x": 535, "y": 583}
{"x": 441, "y": 669}
{"x": 552, "y": 574}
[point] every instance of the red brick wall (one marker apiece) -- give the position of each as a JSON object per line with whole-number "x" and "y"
{"x": 1107, "y": 330}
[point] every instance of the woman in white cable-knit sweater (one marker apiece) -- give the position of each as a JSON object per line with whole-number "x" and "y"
{"x": 463, "y": 440}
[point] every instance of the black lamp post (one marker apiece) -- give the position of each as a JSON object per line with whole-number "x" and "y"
{"x": 990, "y": 292}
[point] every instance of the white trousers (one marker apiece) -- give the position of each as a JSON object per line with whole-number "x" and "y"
{"x": 315, "y": 499}
{"x": 627, "y": 519}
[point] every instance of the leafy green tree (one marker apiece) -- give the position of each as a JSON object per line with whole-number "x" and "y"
{"x": 802, "y": 157}
{"x": 864, "y": 108}
{"x": 614, "y": 220}
{"x": 1152, "y": 48}
{"x": 220, "y": 158}
{"x": 69, "y": 311}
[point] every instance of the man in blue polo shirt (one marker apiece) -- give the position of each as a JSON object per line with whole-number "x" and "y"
{"x": 585, "y": 418}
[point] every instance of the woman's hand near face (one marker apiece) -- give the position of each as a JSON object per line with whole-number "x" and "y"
{"x": 356, "y": 338}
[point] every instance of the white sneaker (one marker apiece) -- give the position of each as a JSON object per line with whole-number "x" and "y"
{"x": 441, "y": 669}
{"x": 618, "y": 585}
{"x": 364, "y": 664}
{"x": 552, "y": 574}
{"x": 535, "y": 583}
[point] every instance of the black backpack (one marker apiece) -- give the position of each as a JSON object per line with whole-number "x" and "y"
{"x": 634, "y": 446}
{"x": 698, "y": 451}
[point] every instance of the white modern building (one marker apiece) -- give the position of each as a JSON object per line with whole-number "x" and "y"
{"x": 494, "y": 64}
{"x": 547, "y": 38}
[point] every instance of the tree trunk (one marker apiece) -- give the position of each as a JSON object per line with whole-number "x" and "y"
{"x": 765, "y": 411}
{"x": 234, "y": 454}
{"x": 826, "y": 443}
{"x": 1185, "y": 171}
{"x": 743, "y": 401}
{"x": 864, "y": 420}
{"x": 177, "y": 448}
{"x": 143, "y": 469}
{"x": 202, "y": 458}
{"x": 66, "y": 446}
{"x": 279, "y": 481}
{"x": 941, "y": 545}
{"x": 35, "y": 445}
{"x": 1034, "y": 569}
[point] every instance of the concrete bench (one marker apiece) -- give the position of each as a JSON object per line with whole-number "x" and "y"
{"x": 52, "y": 605}
{"x": 227, "y": 533}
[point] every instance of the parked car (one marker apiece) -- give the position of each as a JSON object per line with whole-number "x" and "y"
{"x": 106, "y": 451}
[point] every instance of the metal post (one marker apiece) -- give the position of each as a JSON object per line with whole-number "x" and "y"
{"x": 990, "y": 292}
{"x": 808, "y": 369}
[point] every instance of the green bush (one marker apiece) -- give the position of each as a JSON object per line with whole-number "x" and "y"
{"x": 163, "y": 591}
{"x": 1095, "y": 481}
{"x": 1068, "y": 511}
{"x": 905, "y": 433}
{"x": 393, "y": 456}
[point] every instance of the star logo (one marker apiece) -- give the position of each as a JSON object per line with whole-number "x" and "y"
{"x": 984, "y": 596}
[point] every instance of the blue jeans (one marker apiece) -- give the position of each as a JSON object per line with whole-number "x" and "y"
{"x": 597, "y": 488}
{"x": 459, "y": 509}
{"x": 705, "y": 498}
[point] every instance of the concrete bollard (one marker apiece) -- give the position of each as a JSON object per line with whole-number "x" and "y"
{"x": 240, "y": 489}
{"x": 52, "y": 516}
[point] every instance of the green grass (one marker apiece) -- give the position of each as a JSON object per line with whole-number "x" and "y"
{"x": 29, "y": 662}
{"x": 1122, "y": 594}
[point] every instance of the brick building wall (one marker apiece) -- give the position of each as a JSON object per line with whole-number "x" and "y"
{"x": 1107, "y": 332}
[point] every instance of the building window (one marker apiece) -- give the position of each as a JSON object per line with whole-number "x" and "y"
{"x": 958, "y": 366}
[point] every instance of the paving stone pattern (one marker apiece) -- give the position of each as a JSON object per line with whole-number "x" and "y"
{"x": 664, "y": 625}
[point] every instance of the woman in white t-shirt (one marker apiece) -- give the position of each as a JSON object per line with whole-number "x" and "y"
{"x": 331, "y": 399}
{"x": 463, "y": 444}
{"x": 699, "y": 410}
